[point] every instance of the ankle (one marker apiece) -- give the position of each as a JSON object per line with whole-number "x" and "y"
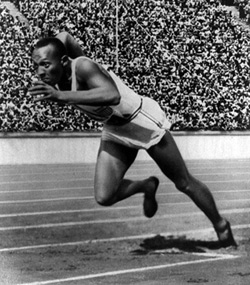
{"x": 221, "y": 225}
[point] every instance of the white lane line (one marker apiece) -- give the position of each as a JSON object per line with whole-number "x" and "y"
{"x": 66, "y": 212}
{"x": 137, "y": 163}
{"x": 51, "y": 172}
{"x": 83, "y": 168}
{"x": 127, "y": 176}
{"x": 44, "y": 200}
{"x": 92, "y": 197}
{"x": 105, "y": 209}
{"x": 192, "y": 233}
{"x": 91, "y": 188}
{"x": 49, "y": 189}
{"x": 46, "y": 181}
{"x": 103, "y": 240}
{"x": 91, "y": 171}
{"x": 212, "y": 258}
{"x": 115, "y": 221}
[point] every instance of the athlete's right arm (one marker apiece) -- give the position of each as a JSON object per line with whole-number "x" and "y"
{"x": 73, "y": 48}
{"x": 96, "y": 87}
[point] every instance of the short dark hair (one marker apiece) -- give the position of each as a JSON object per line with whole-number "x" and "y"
{"x": 60, "y": 49}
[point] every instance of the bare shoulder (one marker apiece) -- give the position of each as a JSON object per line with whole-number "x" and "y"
{"x": 86, "y": 70}
{"x": 86, "y": 65}
{"x": 90, "y": 72}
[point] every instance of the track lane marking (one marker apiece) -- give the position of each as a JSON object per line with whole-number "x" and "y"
{"x": 212, "y": 258}
{"x": 75, "y": 169}
{"x": 103, "y": 209}
{"x": 127, "y": 176}
{"x": 45, "y": 200}
{"x": 91, "y": 171}
{"x": 123, "y": 238}
{"x": 92, "y": 197}
{"x": 91, "y": 188}
{"x": 115, "y": 220}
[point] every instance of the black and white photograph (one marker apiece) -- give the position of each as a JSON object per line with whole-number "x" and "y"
{"x": 125, "y": 142}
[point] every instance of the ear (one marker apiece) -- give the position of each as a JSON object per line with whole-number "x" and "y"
{"x": 64, "y": 60}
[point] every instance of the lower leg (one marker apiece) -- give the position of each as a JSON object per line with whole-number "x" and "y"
{"x": 128, "y": 188}
{"x": 203, "y": 198}
{"x": 148, "y": 186}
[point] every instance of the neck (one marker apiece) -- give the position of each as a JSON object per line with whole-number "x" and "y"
{"x": 65, "y": 83}
{"x": 68, "y": 70}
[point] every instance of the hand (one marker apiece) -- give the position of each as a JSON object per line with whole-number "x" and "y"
{"x": 43, "y": 91}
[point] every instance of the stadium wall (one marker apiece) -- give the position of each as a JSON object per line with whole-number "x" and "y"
{"x": 56, "y": 148}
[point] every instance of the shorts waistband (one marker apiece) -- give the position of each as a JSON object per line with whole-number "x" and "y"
{"x": 119, "y": 121}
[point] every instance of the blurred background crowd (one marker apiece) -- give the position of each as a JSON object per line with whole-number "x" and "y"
{"x": 192, "y": 56}
{"x": 244, "y": 9}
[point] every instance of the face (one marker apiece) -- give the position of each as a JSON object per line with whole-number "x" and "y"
{"x": 48, "y": 66}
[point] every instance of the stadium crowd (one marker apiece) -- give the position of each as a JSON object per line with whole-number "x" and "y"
{"x": 244, "y": 9}
{"x": 190, "y": 55}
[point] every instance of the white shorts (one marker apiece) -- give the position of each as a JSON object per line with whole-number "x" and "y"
{"x": 143, "y": 131}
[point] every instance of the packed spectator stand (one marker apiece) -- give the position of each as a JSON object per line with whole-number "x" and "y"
{"x": 190, "y": 55}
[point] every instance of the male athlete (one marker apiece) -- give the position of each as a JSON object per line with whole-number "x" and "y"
{"x": 130, "y": 122}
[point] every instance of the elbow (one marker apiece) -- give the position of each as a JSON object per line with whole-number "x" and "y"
{"x": 112, "y": 96}
{"x": 117, "y": 98}
{"x": 64, "y": 34}
{"x": 63, "y": 37}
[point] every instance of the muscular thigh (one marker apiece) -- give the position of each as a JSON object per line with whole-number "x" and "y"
{"x": 112, "y": 163}
{"x": 166, "y": 154}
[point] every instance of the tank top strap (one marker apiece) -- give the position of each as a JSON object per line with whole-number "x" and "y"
{"x": 73, "y": 73}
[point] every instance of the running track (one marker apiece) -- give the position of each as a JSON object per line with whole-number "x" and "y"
{"x": 53, "y": 232}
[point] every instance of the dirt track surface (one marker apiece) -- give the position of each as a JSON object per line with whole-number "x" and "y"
{"x": 53, "y": 232}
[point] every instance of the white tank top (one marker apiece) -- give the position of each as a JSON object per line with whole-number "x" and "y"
{"x": 129, "y": 106}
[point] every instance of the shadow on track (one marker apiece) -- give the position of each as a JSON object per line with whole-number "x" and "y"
{"x": 172, "y": 244}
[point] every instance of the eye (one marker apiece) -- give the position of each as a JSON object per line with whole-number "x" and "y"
{"x": 46, "y": 65}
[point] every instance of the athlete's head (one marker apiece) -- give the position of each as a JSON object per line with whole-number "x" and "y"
{"x": 50, "y": 58}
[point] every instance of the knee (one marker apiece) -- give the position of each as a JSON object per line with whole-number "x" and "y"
{"x": 103, "y": 199}
{"x": 184, "y": 187}
{"x": 190, "y": 186}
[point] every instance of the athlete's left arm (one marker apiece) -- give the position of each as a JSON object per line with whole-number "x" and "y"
{"x": 73, "y": 48}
